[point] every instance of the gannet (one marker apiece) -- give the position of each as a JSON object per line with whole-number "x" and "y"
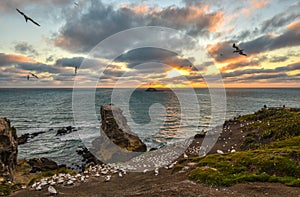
{"x": 27, "y": 18}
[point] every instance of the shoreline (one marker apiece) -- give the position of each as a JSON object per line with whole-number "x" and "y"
{"x": 179, "y": 173}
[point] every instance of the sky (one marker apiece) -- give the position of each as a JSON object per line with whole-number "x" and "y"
{"x": 144, "y": 43}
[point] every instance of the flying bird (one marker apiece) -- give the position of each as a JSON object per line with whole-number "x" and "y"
{"x": 32, "y": 75}
{"x": 76, "y": 3}
{"x": 238, "y": 50}
{"x": 27, "y": 18}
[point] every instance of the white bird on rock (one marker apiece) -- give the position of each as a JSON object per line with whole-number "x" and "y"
{"x": 52, "y": 190}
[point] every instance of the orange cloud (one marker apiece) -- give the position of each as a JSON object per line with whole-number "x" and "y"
{"x": 294, "y": 26}
{"x": 13, "y": 58}
{"x": 254, "y": 5}
{"x": 257, "y": 4}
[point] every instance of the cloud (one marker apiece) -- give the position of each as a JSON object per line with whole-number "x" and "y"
{"x": 82, "y": 33}
{"x": 258, "y": 45}
{"x": 278, "y": 21}
{"x": 9, "y": 59}
{"x": 280, "y": 69}
{"x": 69, "y": 62}
{"x": 9, "y": 5}
{"x": 38, "y": 67}
{"x": 276, "y": 59}
{"x": 149, "y": 54}
{"x": 25, "y": 48}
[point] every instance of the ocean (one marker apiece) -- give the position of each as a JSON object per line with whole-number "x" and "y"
{"x": 158, "y": 118}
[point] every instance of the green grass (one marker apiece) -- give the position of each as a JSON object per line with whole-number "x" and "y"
{"x": 270, "y": 125}
{"x": 177, "y": 168}
{"x": 272, "y": 153}
{"x": 264, "y": 165}
{"x": 6, "y": 189}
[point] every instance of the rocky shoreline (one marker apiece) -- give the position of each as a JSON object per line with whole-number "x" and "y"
{"x": 266, "y": 129}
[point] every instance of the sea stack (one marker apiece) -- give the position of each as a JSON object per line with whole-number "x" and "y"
{"x": 117, "y": 143}
{"x": 115, "y": 127}
{"x": 8, "y": 149}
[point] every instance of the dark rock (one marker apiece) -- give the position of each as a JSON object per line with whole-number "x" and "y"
{"x": 151, "y": 90}
{"x": 8, "y": 149}
{"x": 32, "y": 135}
{"x": 199, "y": 135}
{"x": 65, "y": 130}
{"x": 23, "y": 138}
{"x": 153, "y": 149}
{"x": 115, "y": 127}
{"x": 88, "y": 157}
{"x": 42, "y": 164}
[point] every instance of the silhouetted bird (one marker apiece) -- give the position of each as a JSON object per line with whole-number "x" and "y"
{"x": 238, "y": 50}
{"x": 27, "y": 18}
{"x": 33, "y": 75}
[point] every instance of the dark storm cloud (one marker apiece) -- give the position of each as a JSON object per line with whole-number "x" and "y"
{"x": 81, "y": 33}
{"x": 38, "y": 67}
{"x": 25, "y": 48}
{"x": 148, "y": 54}
{"x": 69, "y": 62}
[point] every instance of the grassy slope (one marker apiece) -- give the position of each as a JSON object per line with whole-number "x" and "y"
{"x": 272, "y": 154}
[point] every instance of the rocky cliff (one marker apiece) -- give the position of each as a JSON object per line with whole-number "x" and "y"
{"x": 115, "y": 126}
{"x": 116, "y": 142}
{"x": 8, "y": 149}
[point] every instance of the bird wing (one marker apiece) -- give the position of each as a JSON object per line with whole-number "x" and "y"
{"x": 33, "y": 21}
{"x": 34, "y": 75}
{"x": 20, "y": 12}
{"x": 234, "y": 46}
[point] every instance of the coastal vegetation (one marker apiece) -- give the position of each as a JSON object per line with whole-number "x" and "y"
{"x": 271, "y": 152}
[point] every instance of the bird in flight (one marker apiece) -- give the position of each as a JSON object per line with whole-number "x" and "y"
{"x": 76, "y": 3}
{"x": 238, "y": 50}
{"x": 27, "y": 18}
{"x": 33, "y": 75}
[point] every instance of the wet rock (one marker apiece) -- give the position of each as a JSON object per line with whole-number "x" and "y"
{"x": 8, "y": 149}
{"x": 42, "y": 164}
{"x": 88, "y": 157}
{"x": 65, "y": 130}
{"x": 24, "y": 138}
{"x": 115, "y": 127}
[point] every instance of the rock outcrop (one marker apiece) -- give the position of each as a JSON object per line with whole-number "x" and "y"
{"x": 8, "y": 149}
{"x": 115, "y": 126}
{"x": 42, "y": 164}
{"x": 116, "y": 142}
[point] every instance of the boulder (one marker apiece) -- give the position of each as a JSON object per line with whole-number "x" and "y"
{"x": 42, "y": 164}
{"x": 8, "y": 149}
{"x": 115, "y": 127}
{"x": 65, "y": 130}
